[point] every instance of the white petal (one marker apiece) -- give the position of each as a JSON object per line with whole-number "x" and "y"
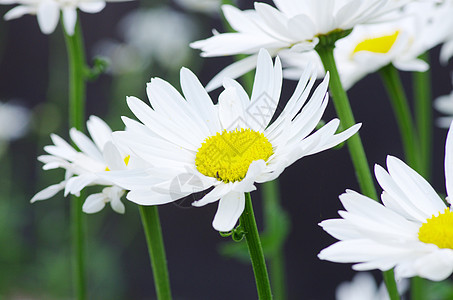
{"x": 113, "y": 158}
{"x": 99, "y": 131}
{"x": 218, "y": 192}
{"x": 48, "y": 15}
{"x": 94, "y": 203}
{"x": 69, "y": 19}
{"x": 77, "y": 183}
{"x": 48, "y": 192}
{"x": 436, "y": 266}
{"x": 86, "y": 145}
{"x": 91, "y": 7}
{"x": 449, "y": 162}
{"x": 230, "y": 209}
{"x": 117, "y": 205}
{"x": 18, "y": 12}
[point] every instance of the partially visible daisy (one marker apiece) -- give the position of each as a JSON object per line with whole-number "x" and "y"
{"x": 228, "y": 146}
{"x": 14, "y": 123}
{"x": 444, "y": 104}
{"x": 294, "y": 25}
{"x": 48, "y": 11}
{"x": 151, "y": 36}
{"x": 83, "y": 168}
{"x": 410, "y": 232}
{"x": 363, "y": 287}
{"x": 203, "y": 6}
{"x": 411, "y": 32}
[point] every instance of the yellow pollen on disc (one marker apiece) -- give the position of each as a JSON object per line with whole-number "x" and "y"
{"x": 126, "y": 161}
{"x": 438, "y": 230}
{"x": 228, "y": 155}
{"x": 381, "y": 44}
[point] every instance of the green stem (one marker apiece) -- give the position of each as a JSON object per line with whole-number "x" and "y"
{"x": 271, "y": 197}
{"x": 390, "y": 283}
{"x": 344, "y": 111}
{"x": 252, "y": 237}
{"x": 392, "y": 82}
{"x": 76, "y": 60}
{"x": 358, "y": 156}
{"x": 423, "y": 116}
{"x": 417, "y": 288}
{"x": 153, "y": 233}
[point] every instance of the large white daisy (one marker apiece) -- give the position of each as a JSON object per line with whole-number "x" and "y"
{"x": 48, "y": 11}
{"x": 293, "y": 25}
{"x": 411, "y": 232}
{"x": 84, "y": 167}
{"x": 194, "y": 144}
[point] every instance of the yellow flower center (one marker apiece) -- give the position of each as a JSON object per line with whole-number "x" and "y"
{"x": 381, "y": 44}
{"x": 228, "y": 155}
{"x": 438, "y": 230}
{"x": 126, "y": 161}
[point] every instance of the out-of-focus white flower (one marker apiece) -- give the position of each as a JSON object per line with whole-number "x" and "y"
{"x": 14, "y": 121}
{"x": 228, "y": 146}
{"x": 203, "y": 6}
{"x": 410, "y": 232}
{"x": 84, "y": 167}
{"x": 444, "y": 104}
{"x": 410, "y": 32}
{"x": 294, "y": 25}
{"x": 363, "y": 287}
{"x": 156, "y": 35}
{"x": 48, "y": 11}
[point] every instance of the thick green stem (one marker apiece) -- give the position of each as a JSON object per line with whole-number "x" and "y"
{"x": 255, "y": 250}
{"x": 272, "y": 213}
{"x": 401, "y": 108}
{"x": 423, "y": 117}
{"x": 390, "y": 283}
{"x": 156, "y": 249}
{"x": 358, "y": 156}
{"x": 76, "y": 58}
{"x": 344, "y": 111}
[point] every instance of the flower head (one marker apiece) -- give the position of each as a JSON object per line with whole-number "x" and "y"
{"x": 294, "y": 25}
{"x": 84, "y": 167}
{"x": 48, "y": 11}
{"x": 194, "y": 144}
{"x": 363, "y": 287}
{"x": 409, "y": 33}
{"x": 411, "y": 231}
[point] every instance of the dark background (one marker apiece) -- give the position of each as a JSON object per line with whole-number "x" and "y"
{"x": 33, "y": 69}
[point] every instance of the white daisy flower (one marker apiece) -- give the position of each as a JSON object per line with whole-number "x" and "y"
{"x": 411, "y": 32}
{"x": 293, "y": 25}
{"x": 194, "y": 145}
{"x": 363, "y": 287}
{"x": 411, "y": 232}
{"x": 84, "y": 167}
{"x": 48, "y": 11}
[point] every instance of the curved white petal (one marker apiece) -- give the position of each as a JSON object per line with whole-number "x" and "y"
{"x": 69, "y": 19}
{"x": 230, "y": 209}
{"x": 94, "y": 203}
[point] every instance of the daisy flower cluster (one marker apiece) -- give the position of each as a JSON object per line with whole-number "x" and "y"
{"x": 183, "y": 142}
